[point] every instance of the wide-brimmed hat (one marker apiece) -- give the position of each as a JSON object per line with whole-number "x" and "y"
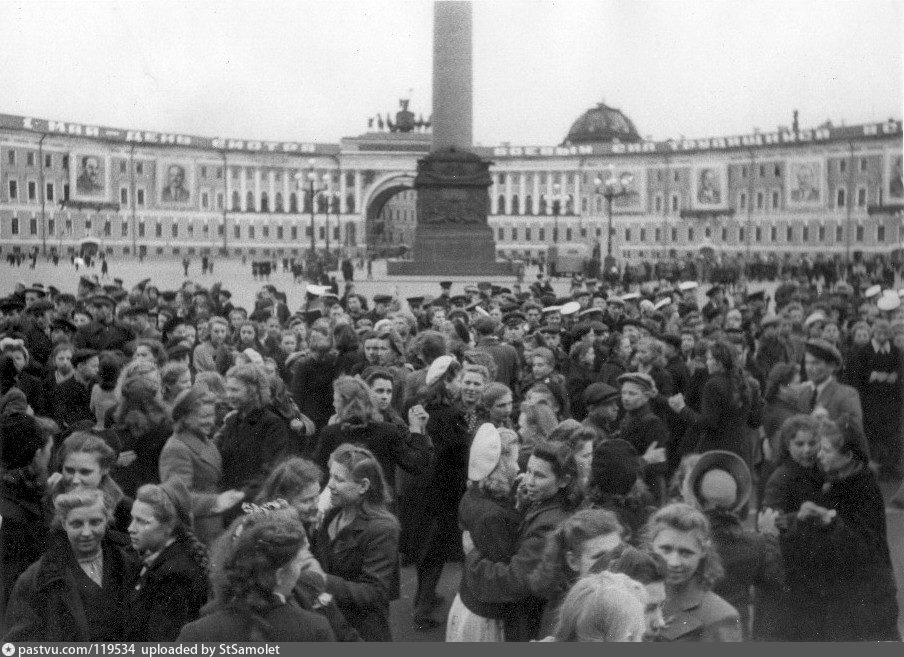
{"x": 719, "y": 478}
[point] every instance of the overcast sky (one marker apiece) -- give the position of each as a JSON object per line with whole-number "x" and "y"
{"x": 302, "y": 70}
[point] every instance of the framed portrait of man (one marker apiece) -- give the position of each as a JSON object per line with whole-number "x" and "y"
{"x": 634, "y": 180}
{"x": 804, "y": 182}
{"x": 710, "y": 187}
{"x": 89, "y": 177}
{"x": 894, "y": 174}
{"x": 175, "y": 182}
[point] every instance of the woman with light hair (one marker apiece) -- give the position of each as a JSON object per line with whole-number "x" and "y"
{"x": 253, "y": 438}
{"x": 359, "y": 422}
{"x": 605, "y": 607}
{"x": 79, "y": 589}
{"x": 681, "y": 536}
{"x": 191, "y": 456}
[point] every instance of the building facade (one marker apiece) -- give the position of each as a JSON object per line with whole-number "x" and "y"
{"x": 825, "y": 190}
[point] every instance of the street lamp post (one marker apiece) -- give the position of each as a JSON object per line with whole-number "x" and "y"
{"x": 312, "y": 189}
{"x": 610, "y": 189}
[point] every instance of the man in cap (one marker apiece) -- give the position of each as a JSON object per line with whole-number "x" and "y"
{"x": 505, "y": 355}
{"x": 138, "y": 318}
{"x": 717, "y": 304}
{"x": 103, "y": 332}
{"x": 643, "y": 429}
{"x": 601, "y": 401}
{"x": 381, "y": 307}
{"x": 876, "y": 374}
{"x": 72, "y": 402}
{"x": 823, "y": 394}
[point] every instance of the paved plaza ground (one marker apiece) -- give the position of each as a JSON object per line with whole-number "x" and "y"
{"x": 236, "y": 277}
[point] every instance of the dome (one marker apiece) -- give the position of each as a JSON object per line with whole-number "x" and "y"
{"x": 601, "y": 124}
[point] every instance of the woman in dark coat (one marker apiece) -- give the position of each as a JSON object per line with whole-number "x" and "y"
{"x": 487, "y": 512}
{"x": 141, "y": 425}
{"x": 359, "y": 424}
{"x": 780, "y": 403}
{"x": 839, "y": 571}
{"x": 357, "y": 544}
{"x": 548, "y": 493}
{"x": 431, "y": 535}
{"x": 254, "y": 576}
{"x": 726, "y": 407}
{"x": 797, "y": 477}
{"x": 26, "y": 450}
{"x": 78, "y": 590}
{"x": 312, "y": 380}
{"x": 253, "y": 439}
{"x": 172, "y": 584}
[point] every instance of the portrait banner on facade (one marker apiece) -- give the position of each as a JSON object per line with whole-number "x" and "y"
{"x": 710, "y": 187}
{"x": 89, "y": 176}
{"x": 175, "y": 183}
{"x": 805, "y": 183}
{"x": 894, "y": 175}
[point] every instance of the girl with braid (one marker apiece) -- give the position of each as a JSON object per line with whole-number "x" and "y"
{"x": 172, "y": 584}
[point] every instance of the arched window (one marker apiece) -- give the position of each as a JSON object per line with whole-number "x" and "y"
{"x": 516, "y": 204}
{"x": 350, "y": 203}
{"x": 528, "y": 204}
{"x": 334, "y": 205}
{"x": 500, "y": 204}
{"x": 249, "y": 202}
{"x": 321, "y": 204}
{"x": 278, "y": 204}
{"x": 307, "y": 202}
{"x": 236, "y": 201}
{"x": 265, "y": 202}
{"x": 293, "y": 202}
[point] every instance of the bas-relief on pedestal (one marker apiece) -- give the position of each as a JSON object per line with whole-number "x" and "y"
{"x": 452, "y": 236}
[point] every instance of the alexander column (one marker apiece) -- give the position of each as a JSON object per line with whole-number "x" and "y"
{"x": 452, "y": 236}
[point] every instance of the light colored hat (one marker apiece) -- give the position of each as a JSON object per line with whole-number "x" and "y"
{"x": 481, "y": 311}
{"x": 662, "y": 303}
{"x": 570, "y": 308}
{"x": 720, "y": 479}
{"x": 317, "y": 290}
{"x": 551, "y": 309}
{"x": 438, "y": 369}
{"x": 630, "y": 296}
{"x": 486, "y": 448}
{"x": 872, "y": 291}
{"x": 646, "y": 305}
{"x": 889, "y": 301}
{"x": 253, "y": 356}
{"x": 687, "y": 285}
{"x": 815, "y": 316}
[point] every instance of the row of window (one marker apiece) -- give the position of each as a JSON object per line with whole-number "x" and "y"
{"x": 207, "y": 201}
{"x": 589, "y": 177}
{"x": 238, "y": 231}
{"x": 31, "y": 158}
{"x": 642, "y": 234}
{"x": 762, "y": 202}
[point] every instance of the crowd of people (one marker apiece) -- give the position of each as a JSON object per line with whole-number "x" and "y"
{"x": 619, "y": 464}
